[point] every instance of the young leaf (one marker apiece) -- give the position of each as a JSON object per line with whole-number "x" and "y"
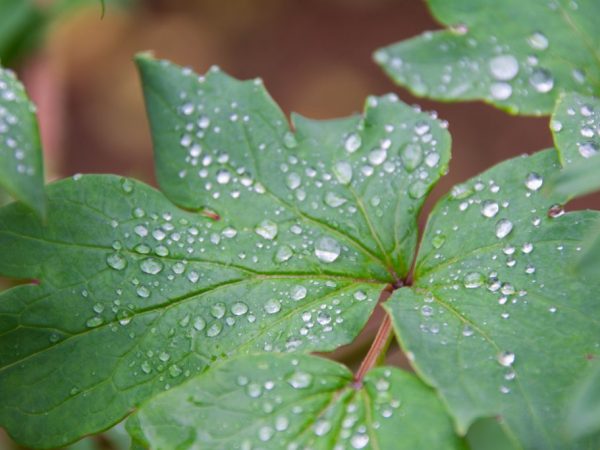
{"x": 516, "y": 55}
{"x": 284, "y": 401}
{"x": 584, "y": 408}
{"x": 21, "y": 165}
{"x": 496, "y": 319}
{"x": 135, "y": 295}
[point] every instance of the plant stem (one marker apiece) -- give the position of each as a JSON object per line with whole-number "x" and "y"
{"x": 377, "y": 351}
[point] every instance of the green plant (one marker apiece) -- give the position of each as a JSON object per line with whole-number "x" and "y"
{"x": 190, "y": 310}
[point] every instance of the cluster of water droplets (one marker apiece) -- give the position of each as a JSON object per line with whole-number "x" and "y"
{"x": 582, "y": 125}
{"x": 14, "y": 135}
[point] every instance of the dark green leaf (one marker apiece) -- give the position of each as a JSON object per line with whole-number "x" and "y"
{"x": 497, "y": 320}
{"x": 516, "y": 55}
{"x": 295, "y": 402}
{"x": 135, "y": 295}
{"x": 21, "y": 166}
{"x": 21, "y": 24}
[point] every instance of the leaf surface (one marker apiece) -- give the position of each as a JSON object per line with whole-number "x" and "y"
{"x": 296, "y": 402}
{"x": 497, "y": 320}
{"x": 21, "y": 165}
{"x": 136, "y": 295}
{"x": 584, "y": 405}
{"x": 516, "y": 55}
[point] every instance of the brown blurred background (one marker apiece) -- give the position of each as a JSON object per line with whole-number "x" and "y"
{"x": 314, "y": 56}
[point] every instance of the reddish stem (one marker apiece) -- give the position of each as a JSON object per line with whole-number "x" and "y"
{"x": 378, "y": 347}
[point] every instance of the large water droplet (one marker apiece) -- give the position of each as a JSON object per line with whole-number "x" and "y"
{"x": 298, "y": 292}
{"x": 473, "y": 280}
{"x": 223, "y": 176}
{"x": 538, "y": 41}
{"x": 542, "y": 80}
{"x": 489, "y": 208}
{"x": 352, "y": 142}
{"x": 343, "y": 172}
{"x": 417, "y": 190}
{"x": 588, "y": 149}
{"x": 151, "y": 266}
{"x": 500, "y": 91}
{"x": 377, "y": 156}
{"x": 214, "y": 329}
{"x": 359, "y": 441}
{"x": 293, "y": 181}
{"x": 300, "y": 380}
{"x": 503, "y": 228}
{"x": 284, "y": 253}
{"x": 327, "y": 249}
{"x": 333, "y": 200}
{"x": 239, "y": 308}
{"x": 506, "y": 359}
{"x": 267, "y": 229}
{"x": 533, "y": 181}
{"x": 116, "y": 261}
{"x": 272, "y": 306}
{"x": 412, "y": 156}
{"x": 504, "y": 67}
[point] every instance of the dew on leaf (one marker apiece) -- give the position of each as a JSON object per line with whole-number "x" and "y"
{"x": 300, "y": 380}
{"x": 151, "y": 266}
{"x": 267, "y": 229}
{"x": 500, "y": 90}
{"x": 352, "y": 142}
{"x": 143, "y": 292}
{"x": 218, "y": 310}
{"x": 199, "y": 324}
{"x": 506, "y": 358}
{"x": 272, "y": 306}
{"x": 503, "y": 228}
{"x": 239, "y": 309}
{"x": 541, "y": 80}
{"x": 284, "y": 253}
{"x": 377, "y": 156}
{"x": 327, "y": 249}
{"x": 538, "y": 41}
{"x": 322, "y": 427}
{"x": 223, "y": 176}
{"x": 588, "y": 149}
{"x": 214, "y": 329}
{"x": 333, "y": 200}
{"x": 343, "y": 172}
{"x": 504, "y": 67}
{"x": 298, "y": 292}
{"x": 116, "y": 261}
{"x": 533, "y": 181}
{"x": 473, "y": 280}
{"x": 94, "y": 322}
{"x": 412, "y": 156}
{"x": 489, "y": 208}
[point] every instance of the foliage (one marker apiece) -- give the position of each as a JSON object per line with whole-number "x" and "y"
{"x": 191, "y": 309}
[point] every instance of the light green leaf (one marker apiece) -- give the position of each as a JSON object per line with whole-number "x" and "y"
{"x": 21, "y": 165}
{"x": 584, "y": 407}
{"x": 135, "y": 295}
{"x": 497, "y": 320}
{"x": 295, "y": 402}
{"x": 516, "y": 55}
{"x": 580, "y": 178}
{"x": 220, "y": 143}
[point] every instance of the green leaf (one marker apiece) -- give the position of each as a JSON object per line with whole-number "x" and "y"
{"x": 497, "y": 321}
{"x": 220, "y": 143}
{"x": 136, "y": 295}
{"x": 516, "y": 55}
{"x": 21, "y": 24}
{"x": 285, "y": 401}
{"x": 584, "y": 407}
{"x": 21, "y": 165}
{"x": 580, "y": 178}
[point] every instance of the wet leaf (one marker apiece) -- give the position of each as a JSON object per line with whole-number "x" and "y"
{"x": 584, "y": 406}
{"x": 516, "y": 55}
{"x": 497, "y": 320}
{"x": 21, "y": 165}
{"x": 279, "y": 402}
{"x": 135, "y": 295}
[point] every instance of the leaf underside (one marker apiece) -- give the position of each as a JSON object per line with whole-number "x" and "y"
{"x": 135, "y": 295}
{"x": 518, "y": 56}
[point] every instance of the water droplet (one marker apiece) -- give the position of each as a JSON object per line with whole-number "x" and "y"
{"x": 503, "y": 228}
{"x": 542, "y": 80}
{"x": 321, "y": 427}
{"x": 438, "y": 241}
{"x": 489, "y": 208}
{"x": 146, "y": 367}
{"x": 473, "y": 280}
{"x": 284, "y": 253}
{"x": 333, "y": 200}
{"x": 214, "y": 329}
{"x": 239, "y": 309}
{"x": 467, "y": 331}
{"x": 223, "y": 176}
{"x": 506, "y": 358}
{"x": 533, "y": 181}
{"x": 218, "y": 310}
{"x": 588, "y": 149}
{"x": 377, "y": 156}
{"x": 199, "y": 324}
{"x": 126, "y": 185}
{"x": 323, "y": 318}
{"x": 94, "y": 322}
{"x": 352, "y": 142}
{"x": 289, "y": 140}
{"x": 500, "y": 91}
{"x": 343, "y": 172}
{"x": 143, "y": 292}
{"x": 327, "y": 249}
{"x": 281, "y": 423}
{"x": 300, "y": 380}
{"x": 417, "y": 189}
{"x": 293, "y": 181}
{"x": 267, "y": 229}
{"x": 360, "y": 296}
{"x": 359, "y": 441}
{"x": 504, "y": 67}
{"x": 298, "y": 292}
{"x": 412, "y": 156}
{"x": 116, "y": 261}
{"x": 538, "y": 41}
{"x": 272, "y": 306}
{"x": 151, "y": 266}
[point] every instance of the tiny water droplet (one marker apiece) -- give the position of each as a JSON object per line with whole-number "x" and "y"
{"x": 541, "y": 80}
{"x": 506, "y": 358}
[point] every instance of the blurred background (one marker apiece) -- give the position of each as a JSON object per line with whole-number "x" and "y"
{"x": 314, "y": 56}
